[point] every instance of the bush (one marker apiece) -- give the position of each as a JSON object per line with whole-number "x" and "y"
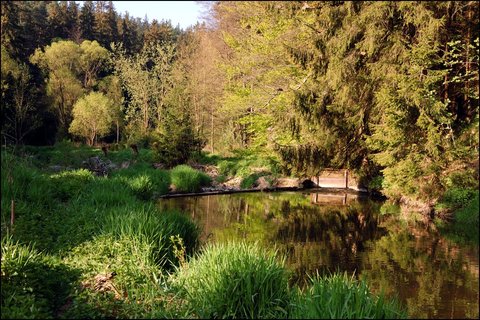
{"x": 249, "y": 182}
{"x": 177, "y": 142}
{"x": 340, "y": 297}
{"x": 376, "y": 183}
{"x": 187, "y": 179}
{"x": 234, "y": 280}
{"x": 457, "y": 198}
{"x": 465, "y": 227}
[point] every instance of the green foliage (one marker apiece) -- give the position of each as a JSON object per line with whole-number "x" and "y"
{"x": 135, "y": 276}
{"x": 376, "y": 183}
{"x": 457, "y": 198}
{"x": 146, "y": 76}
{"x": 187, "y": 179}
{"x": 142, "y": 187}
{"x": 155, "y": 229}
{"x": 247, "y": 163}
{"x": 461, "y": 187}
{"x": 466, "y": 221}
{"x": 465, "y": 179}
{"x": 33, "y": 285}
{"x": 68, "y": 184}
{"x": 93, "y": 116}
{"x": 177, "y": 142}
{"x": 234, "y": 280}
{"x": 221, "y": 178}
{"x": 390, "y": 208}
{"x": 249, "y": 182}
{"x": 99, "y": 226}
{"x": 342, "y": 297}
{"x": 464, "y": 204}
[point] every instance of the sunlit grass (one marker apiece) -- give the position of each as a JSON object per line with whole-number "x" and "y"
{"x": 339, "y": 296}
{"x": 87, "y": 226}
{"x": 234, "y": 280}
{"x": 187, "y": 179}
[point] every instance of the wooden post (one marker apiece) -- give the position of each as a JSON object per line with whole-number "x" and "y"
{"x": 346, "y": 179}
{"x": 12, "y": 213}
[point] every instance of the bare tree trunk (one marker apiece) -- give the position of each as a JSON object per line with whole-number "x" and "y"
{"x": 118, "y": 131}
{"x": 211, "y": 131}
{"x": 467, "y": 55}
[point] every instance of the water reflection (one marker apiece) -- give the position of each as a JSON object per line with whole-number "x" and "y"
{"x": 321, "y": 232}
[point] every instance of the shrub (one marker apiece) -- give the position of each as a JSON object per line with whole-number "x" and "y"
{"x": 234, "y": 280}
{"x": 376, "y": 183}
{"x": 177, "y": 141}
{"x": 221, "y": 178}
{"x": 340, "y": 297}
{"x": 187, "y": 179}
{"x": 456, "y": 197}
{"x": 465, "y": 226}
{"x": 249, "y": 182}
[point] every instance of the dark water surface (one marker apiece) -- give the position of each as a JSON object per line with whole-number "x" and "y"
{"x": 322, "y": 232}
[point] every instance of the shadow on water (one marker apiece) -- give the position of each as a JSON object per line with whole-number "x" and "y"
{"x": 325, "y": 232}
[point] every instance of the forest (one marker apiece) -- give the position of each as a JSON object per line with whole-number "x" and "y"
{"x": 386, "y": 89}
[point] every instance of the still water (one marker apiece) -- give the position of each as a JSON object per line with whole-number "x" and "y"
{"x": 322, "y": 232}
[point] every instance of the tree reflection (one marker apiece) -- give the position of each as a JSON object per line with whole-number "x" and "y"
{"x": 433, "y": 277}
{"x": 323, "y": 233}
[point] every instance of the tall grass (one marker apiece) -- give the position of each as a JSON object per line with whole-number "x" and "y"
{"x": 244, "y": 163}
{"x": 148, "y": 225}
{"x": 33, "y": 285}
{"x": 143, "y": 180}
{"x": 135, "y": 279}
{"x": 187, "y": 179}
{"x": 89, "y": 225}
{"x": 234, "y": 280}
{"x": 339, "y": 296}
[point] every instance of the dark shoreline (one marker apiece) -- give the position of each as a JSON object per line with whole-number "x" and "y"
{"x": 219, "y": 192}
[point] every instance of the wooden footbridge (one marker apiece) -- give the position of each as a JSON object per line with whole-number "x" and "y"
{"x": 335, "y": 179}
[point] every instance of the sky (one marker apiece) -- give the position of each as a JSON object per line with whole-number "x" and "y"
{"x": 185, "y": 13}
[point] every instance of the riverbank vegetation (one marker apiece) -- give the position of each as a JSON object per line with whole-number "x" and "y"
{"x": 388, "y": 90}
{"x": 92, "y": 246}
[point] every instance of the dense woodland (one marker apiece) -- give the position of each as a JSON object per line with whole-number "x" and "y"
{"x": 387, "y": 89}
{"x": 104, "y": 115}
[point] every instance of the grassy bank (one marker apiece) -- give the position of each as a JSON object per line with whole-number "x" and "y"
{"x": 246, "y": 165}
{"x": 84, "y": 246}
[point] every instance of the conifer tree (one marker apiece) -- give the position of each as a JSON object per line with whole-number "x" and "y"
{"x": 87, "y": 20}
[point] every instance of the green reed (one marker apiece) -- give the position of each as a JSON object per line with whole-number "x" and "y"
{"x": 187, "y": 179}
{"x": 339, "y": 296}
{"x": 234, "y": 280}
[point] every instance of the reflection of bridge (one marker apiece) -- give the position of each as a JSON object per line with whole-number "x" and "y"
{"x": 332, "y": 198}
{"x": 335, "y": 178}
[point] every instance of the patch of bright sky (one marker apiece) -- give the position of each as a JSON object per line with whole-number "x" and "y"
{"x": 183, "y": 13}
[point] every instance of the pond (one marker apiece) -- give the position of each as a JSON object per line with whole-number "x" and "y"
{"x": 323, "y": 232}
